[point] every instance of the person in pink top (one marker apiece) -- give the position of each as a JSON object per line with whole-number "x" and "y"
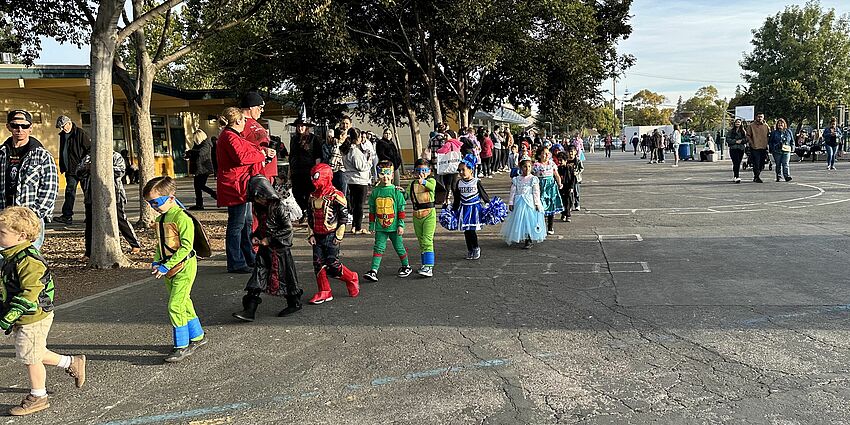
{"x": 452, "y": 144}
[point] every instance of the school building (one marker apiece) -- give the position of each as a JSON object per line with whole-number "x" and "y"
{"x": 48, "y": 91}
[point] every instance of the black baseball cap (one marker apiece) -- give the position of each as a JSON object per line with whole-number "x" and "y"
{"x": 251, "y": 99}
{"x": 19, "y": 114}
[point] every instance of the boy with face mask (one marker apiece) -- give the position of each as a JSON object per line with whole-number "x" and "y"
{"x": 386, "y": 219}
{"x": 327, "y": 215}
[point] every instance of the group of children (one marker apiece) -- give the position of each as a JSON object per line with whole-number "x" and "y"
{"x": 537, "y": 191}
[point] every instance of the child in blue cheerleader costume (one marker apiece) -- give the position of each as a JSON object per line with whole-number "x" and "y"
{"x": 472, "y": 208}
{"x": 525, "y": 222}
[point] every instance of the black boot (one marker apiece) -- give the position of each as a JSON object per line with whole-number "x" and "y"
{"x": 293, "y": 304}
{"x": 249, "y": 305}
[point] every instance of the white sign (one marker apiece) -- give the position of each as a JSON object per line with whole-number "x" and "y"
{"x": 745, "y": 112}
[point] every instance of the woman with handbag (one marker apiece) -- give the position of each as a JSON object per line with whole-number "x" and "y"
{"x": 781, "y": 144}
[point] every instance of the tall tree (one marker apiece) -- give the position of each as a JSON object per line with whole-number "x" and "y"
{"x": 800, "y": 60}
{"x": 706, "y": 109}
{"x": 645, "y": 108}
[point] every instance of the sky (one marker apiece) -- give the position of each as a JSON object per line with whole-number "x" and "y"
{"x": 679, "y": 46}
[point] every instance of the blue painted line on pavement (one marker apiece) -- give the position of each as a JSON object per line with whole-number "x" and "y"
{"x": 234, "y": 407}
{"x": 764, "y": 319}
{"x": 167, "y": 417}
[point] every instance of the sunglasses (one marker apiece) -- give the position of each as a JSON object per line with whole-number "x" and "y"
{"x": 158, "y": 202}
{"x": 19, "y": 126}
{"x": 424, "y": 170}
{"x": 385, "y": 171}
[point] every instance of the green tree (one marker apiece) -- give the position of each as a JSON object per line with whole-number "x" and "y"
{"x": 645, "y": 108}
{"x": 800, "y": 60}
{"x": 706, "y": 109}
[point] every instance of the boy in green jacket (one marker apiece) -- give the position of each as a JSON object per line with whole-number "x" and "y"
{"x": 422, "y": 192}
{"x": 27, "y": 307}
{"x": 176, "y": 261}
{"x": 386, "y": 219}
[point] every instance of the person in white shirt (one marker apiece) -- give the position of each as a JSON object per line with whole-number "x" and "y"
{"x": 677, "y": 140}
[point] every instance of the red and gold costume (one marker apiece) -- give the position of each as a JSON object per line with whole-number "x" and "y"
{"x": 327, "y": 216}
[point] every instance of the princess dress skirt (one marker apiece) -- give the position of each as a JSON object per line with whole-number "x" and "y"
{"x": 550, "y": 196}
{"x": 524, "y": 222}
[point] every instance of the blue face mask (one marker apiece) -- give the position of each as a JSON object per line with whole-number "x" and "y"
{"x": 158, "y": 202}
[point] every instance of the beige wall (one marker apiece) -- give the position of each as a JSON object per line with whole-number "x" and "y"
{"x": 50, "y": 105}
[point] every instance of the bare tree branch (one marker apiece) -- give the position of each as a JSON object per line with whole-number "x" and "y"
{"x": 140, "y": 21}
{"x": 163, "y": 36}
{"x": 86, "y": 11}
{"x": 210, "y": 32}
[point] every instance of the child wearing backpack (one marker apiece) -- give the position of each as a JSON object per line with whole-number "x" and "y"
{"x": 26, "y": 307}
{"x": 422, "y": 193}
{"x": 386, "y": 219}
{"x": 175, "y": 260}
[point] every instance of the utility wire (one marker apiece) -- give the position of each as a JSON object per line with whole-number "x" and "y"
{"x": 664, "y": 77}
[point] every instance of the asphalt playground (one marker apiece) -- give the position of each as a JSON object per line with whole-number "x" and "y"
{"x": 674, "y": 297}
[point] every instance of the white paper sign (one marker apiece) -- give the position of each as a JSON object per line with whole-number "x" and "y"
{"x": 745, "y": 112}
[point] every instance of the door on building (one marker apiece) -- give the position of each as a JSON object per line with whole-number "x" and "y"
{"x": 178, "y": 145}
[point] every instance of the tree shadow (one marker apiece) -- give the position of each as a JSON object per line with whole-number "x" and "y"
{"x": 91, "y": 352}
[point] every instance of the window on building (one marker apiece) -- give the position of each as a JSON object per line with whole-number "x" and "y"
{"x": 119, "y": 133}
{"x": 160, "y": 136}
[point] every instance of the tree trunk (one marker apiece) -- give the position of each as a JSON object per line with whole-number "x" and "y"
{"x": 412, "y": 118}
{"x": 463, "y": 116}
{"x": 430, "y": 80}
{"x": 147, "y": 163}
{"x": 106, "y": 242}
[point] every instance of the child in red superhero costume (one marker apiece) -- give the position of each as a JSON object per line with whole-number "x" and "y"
{"x": 327, "y": 216}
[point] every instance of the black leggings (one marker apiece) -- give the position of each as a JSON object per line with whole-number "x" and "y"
{"x": 737, "y": 156}
{"x": 356, "y": 196}
{"x": 550, "y": 222}
{"x": 301, "y": 187}
{"x": 471, "y": 239}
{"x": 200, "y": 184}
{"x": 448, "y": 183}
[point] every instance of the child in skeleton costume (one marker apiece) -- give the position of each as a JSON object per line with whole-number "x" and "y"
{"x": 175, "y": 260}
{"x": 276, "y": 274}
{"x": 422, "y": 191}
{"x": 472, "y": 208}
{"x": 525, "y": 222}
{"x": 327, "y": 215}
{"x": 386, "y": 219}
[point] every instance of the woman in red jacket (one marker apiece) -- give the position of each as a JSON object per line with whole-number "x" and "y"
{"x": 238, "y": 160}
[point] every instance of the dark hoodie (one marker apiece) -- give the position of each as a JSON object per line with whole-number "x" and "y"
{"x": 272, "y": 218}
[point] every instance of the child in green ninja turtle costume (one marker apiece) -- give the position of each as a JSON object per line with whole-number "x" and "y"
{"x": 386, "y": 219}
{"x": 26, "y": 307}
{"x": 175, "y": 260}
{"x": 422, "y": 192}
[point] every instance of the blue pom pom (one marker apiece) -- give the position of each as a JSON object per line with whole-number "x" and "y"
{"x": 448, "y": 219}
{"x": 496, "y": 211}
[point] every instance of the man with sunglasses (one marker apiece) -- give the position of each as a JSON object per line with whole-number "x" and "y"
{"x": 28, "y": 175}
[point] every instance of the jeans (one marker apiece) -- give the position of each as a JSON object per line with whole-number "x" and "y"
{"x": 237, "y": 242}
{"x": 70, "y": 195}
{"x": 831, "y": 154}
{"x": 758, "y": 156}
{"x": 781, "y": 159}
{"x": 737, "y": 156}
{"x": 340, "y": 183}
{"x": 200, "y": 184}
{"x": 485, "y": 166}
{"x": 577, "y": 194}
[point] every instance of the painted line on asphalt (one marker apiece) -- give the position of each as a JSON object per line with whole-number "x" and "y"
{"x": 374, "y": 383}
{"x": 72, "y": 304}
{"x": 764, "y": 319}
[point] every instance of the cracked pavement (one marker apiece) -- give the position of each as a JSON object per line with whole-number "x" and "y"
{"x": 730, "y": 307}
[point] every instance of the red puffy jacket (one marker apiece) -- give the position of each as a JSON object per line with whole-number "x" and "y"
{"x": 259, "y": 137}
{"x": 238, "y": 160}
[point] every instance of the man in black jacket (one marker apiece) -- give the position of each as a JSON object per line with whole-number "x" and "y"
{"x": 387, "y": 151}
{"x": 74, "y": 145}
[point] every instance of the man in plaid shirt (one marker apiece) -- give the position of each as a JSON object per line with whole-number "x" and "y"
{"x": 28, "y": 175}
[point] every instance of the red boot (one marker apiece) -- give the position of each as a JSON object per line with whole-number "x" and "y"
{"x": 352, "y": 281}
{"x": 324, "y": 293}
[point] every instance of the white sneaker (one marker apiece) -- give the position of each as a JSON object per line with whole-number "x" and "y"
{"x": 675, "y": 165}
